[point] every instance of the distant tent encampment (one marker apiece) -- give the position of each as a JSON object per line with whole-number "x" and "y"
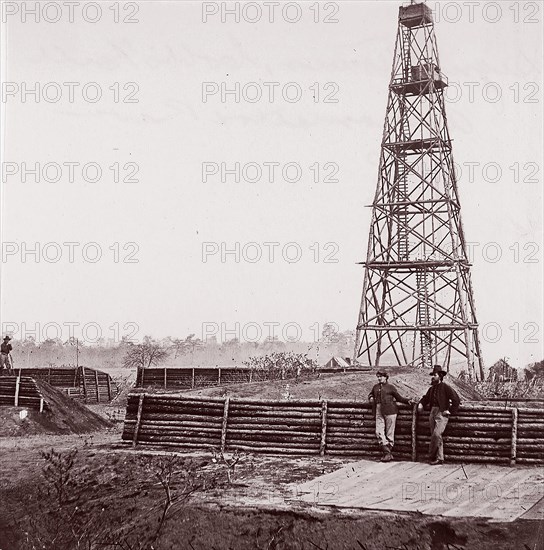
{"x": 338, "y": 363}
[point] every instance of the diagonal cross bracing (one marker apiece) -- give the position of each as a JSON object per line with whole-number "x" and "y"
{"x": 417, "y": 306}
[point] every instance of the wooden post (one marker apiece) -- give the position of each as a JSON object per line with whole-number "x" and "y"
{"x": 414, "y": 432}
{"x": 109, "y": 387}
{"x": 164, "y": 377}
{"x": 513, "y": 451}
{"x": 224, "y": 425}
{"x": 219, "y": 376}
{"x": 193, "y": 379}
{"x": 323, "y": 427}
{"x": 17, "y": 386}
{"x": 75, "y": 377}
{"x": 138, "y": 419}
{"x": 49, "y": 375}
{"x": 84, "y": 382}
{"x": 41, "y": 404}
{"x": 96, "y": 384}
{"x": 251, "y": 375}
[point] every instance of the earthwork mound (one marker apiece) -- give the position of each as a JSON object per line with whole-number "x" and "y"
{"x": 62, "y": 415}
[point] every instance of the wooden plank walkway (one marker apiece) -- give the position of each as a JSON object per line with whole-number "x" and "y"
{"x": 500, "y": 493}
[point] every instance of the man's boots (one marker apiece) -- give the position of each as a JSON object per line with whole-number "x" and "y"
{"x": 387, "y": 456}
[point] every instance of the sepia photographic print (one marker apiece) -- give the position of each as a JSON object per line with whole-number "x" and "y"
{"x": 271, "y": 275}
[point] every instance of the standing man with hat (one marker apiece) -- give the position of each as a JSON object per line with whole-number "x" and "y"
{"x": 443, "y": 401}
{"x": 5, "y": 349}
{"x": 384, "y": 407}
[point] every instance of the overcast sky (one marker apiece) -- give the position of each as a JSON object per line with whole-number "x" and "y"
{"x": 162, "y": 234}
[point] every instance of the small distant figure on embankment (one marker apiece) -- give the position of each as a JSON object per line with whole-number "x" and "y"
{"x": 5, "y": 357}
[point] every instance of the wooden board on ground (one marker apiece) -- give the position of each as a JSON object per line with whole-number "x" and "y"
{"x": 500, "y": 493}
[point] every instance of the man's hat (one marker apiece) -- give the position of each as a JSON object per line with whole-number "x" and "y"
{"x": 7, "y": 337}
{"x": 382, "y": 373}
{"x": 437, "y": 369}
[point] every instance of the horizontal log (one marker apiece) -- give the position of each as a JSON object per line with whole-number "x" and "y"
{"x": 10, "y": 398}
{"x": 535, "y": 436}
{"x": 347, "y": 427}
{"x": 275, "y": 402}
{"x": 530, "y": 427}
{"x": 294, "y": 443}
{"x": 464, "y": 441}
{"x": 275, "y": 433}
{"x": 356, "y": 413}
{"x": 467, "y": 428}
{"x": 275, "y": 416}
{"x": 475, "y": 458}
{"x": 368, "y": 435}
{"x": 173, "y": 439}
{"x": 365, "y": 426}
{"x": 529, "y": 460}
{"x": 530, "y": 443}
{"x": 274, "y": 442}
{"x": 398, "y": 449}
{"x": 283, "y": 415}
{"x": 477, "y": 449}
{"x": 361, "y": 444}
{"x": 150, "y": 415}
{"x": 159, "y": 428}
{"x": 186, "y": 445}
{"x": 535, "y": 455}
{"x": 469, "y": 436}
{"x": 272, "y": 449}
{"x": 353, "y": 433}
{"x": 295, "y": 411}
{"x": 339, "y": 421}
{"x": 475, "y": 406}
{"x": 364, "y": 439}
{"x": 177, "y": 438}
{"x": 464, "y": 453}
{"x": 351, "y": 452}
{"x": 178, "y": 404}
{"x": 349, "y": 416}
{"x": 302, "y": 427}
{"x": 473, "y": 420}
{"x": 182, "y": 398}
{"x": 332, "y": 447}
{"x": 182, "y": 414}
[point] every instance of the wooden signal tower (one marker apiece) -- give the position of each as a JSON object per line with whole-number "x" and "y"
{"x": 417, "y": 304}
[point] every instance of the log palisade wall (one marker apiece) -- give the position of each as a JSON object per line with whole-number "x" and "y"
{"x": 200, "y": 377}
{"x": 21, "y": 391}
{"x": 478, "y": 433}
{"x": 79, "y": 382}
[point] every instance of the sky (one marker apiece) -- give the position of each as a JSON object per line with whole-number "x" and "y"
{"x": 203, "y": 170}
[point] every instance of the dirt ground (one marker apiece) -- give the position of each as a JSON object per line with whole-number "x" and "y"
{"x": 410, "y": 382}
{"x": 114, "y": 496}
{"x": 67, "y": 481}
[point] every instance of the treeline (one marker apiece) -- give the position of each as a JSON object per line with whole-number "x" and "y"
{"x": 174, "y": 351}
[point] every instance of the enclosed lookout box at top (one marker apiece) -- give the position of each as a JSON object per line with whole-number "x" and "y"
{"x": 415, "y": 15}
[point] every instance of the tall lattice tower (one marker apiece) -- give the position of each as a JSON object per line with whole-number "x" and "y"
{"x": 417, "y": 306}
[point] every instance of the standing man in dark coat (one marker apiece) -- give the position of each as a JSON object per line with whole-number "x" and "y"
{"x": 5, "y": 359}
{"x": 384, "y": 407}
{"x": 443, "y": 401}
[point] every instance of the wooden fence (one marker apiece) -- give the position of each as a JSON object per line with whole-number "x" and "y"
{"x": 477, "y": 433}
{"x": 178, "y": 378}
{"x": 21, "y": 391}
{"x": 79, "y": 382}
